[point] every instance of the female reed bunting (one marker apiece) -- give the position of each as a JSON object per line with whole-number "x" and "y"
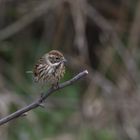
{"x": 50, "y": 68}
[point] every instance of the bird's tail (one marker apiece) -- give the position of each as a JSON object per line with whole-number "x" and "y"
{"x": 29, "y": 72}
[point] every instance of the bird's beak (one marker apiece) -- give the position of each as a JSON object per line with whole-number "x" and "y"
{"x": 64, "y": 60}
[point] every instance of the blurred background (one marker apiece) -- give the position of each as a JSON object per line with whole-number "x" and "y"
{"x": 101, "y": 36}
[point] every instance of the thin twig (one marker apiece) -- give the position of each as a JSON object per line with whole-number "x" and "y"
{"x": 37, "y": 103}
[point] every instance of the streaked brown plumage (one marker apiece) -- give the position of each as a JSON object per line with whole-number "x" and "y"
{"x": 50, "y": 68}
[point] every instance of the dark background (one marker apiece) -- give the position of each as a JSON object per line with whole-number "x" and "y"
{"x": 101, "y": 36}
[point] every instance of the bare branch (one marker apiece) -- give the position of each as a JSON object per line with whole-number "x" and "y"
{"x": 38, "y": 102}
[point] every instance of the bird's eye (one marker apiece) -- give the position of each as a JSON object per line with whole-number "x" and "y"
{"x": 57, "y": 58}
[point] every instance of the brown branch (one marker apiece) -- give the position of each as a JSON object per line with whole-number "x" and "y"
{"x": 38, "y": 102}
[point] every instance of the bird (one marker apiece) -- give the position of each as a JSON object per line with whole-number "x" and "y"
{"x": 50, "y": 68}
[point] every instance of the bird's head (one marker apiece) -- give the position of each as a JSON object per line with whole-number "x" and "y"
{"x": 55, "y": 57}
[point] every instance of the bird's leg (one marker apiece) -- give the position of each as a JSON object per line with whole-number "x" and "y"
{"x": 55, "y": 86}
{"x": 42, "y": 90}
{"x": 42, "y": 94}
